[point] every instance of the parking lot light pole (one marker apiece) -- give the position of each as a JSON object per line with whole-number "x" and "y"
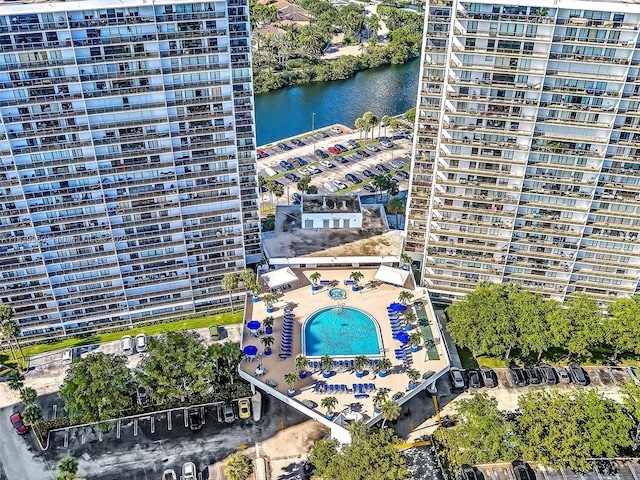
{"x": 313, "y": 129}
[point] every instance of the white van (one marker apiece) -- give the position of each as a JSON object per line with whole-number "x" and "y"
{"x": 270, "y": 172}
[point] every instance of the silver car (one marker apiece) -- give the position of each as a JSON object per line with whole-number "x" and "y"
{"x": 189, "y": 471}
{"x": 229, "y": 415}
{"x": 127, "y": 345}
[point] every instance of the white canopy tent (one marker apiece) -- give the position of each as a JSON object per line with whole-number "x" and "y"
{"x": 277, "y": 278}
{"x": 392, "y": 275}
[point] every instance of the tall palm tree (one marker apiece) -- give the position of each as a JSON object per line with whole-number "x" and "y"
{"x": 15, "y": 382}
{"x": 413, "y": 374}
{"x": 370, "y": 119}
{"x": 248, "y": 277}
{"x": 360, "y": 362}
{"x": 380, "y": 397}
{"x": 9, "y": 328}
{"x": 396, "y": 205}
{"x": 302, "y": 363}
{"x": 327, "y": 363}
{"x": 390, "y": 410}
{"x": 278, "y": 191}
{"x": 68, "y": 465}
{"x": 405, "y": 297}
{"x": 383, "y": 365}
{"x": 359, "y": 431}
{"x": 329, "y": 403}
{"x": 28, "y": 396}
{"x": 360, "y": 125}
{"x": 32, "y": 416}
{"x": 269, "y": 299}
{"x": 230, "y": 283}
{"x": 384, "y": 121}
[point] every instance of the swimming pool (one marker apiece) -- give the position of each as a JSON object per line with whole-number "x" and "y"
{"x": 340, "y": 332}
{"x": 337, "y": 293}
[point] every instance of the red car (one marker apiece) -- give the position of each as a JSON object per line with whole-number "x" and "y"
{"x": 261, "y": 153}
{"x": 334, "y": 150}
{"x": 18, "y": 424}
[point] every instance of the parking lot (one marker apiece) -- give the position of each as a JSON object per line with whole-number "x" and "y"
{"x": 353, "y": 163}
{"x": 624, "y": 469}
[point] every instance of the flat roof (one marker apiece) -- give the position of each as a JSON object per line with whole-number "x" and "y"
{"x": 331, "y": 204}
{"x": 290, "y": 240}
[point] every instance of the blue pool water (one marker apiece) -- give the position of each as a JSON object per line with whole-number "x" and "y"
{"x": 340, "y": 332}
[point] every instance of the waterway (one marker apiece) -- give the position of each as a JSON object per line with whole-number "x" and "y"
{"x": 389, "y": 90}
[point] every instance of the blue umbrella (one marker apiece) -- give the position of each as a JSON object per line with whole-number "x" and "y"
{"x": 403, "y": 337}
{"x": 397, "y": 307}
{"x": 250, "y": 350}
{"x": 253, "y": 325}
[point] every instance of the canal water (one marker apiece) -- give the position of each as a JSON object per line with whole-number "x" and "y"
{"x": 388, "y": 90}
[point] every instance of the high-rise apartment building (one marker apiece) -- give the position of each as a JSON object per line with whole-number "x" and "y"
{"x": 527, "y": 152}
{"x": 127, "y": 176}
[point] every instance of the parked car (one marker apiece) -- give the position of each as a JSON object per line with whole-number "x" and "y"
{"x": 372, "y": 148}
{"x": 328, "y": 164}
{"x": 283, "y": 146}
{"x": 313, "y": 170}
{"x": 353, "y": 144}
{"x": 488, "y": 377}
{"x": 381, "y": 167}
{"x": 18, "y": 424}
{"x": 323, "y": 134}
{"x": 549, "y": 376}
{"x": 386, "y": 144}
{"x": 189, "y": 471}
{"x": 403, "y": 174}
{"x": 518, "y": 377}
{"x": 286, "y": 165}
{"x": 67, "y": 356}
{"x": 340, "y": 185}
{"x": 169, "y": 475}
{"x": 634, "y": 373}
{"x": 368, "y": 173}
{"x": 332, "y": 187}
{"x": 292, "y": 177}
{"x": 341, "y": 147}
{"x": 301, "y": 161}
{"x": 563, "y": 375}
{"x": 474, "y": 379}
{"x": 457, "y": 380}
{"x": 276, "y": 182}
{"x": 298, "y": 143}
{"x": 369, "y": 188}
{"x": 141, "y": 342}
{"x": 336, "y": 130}
{"x": 340, "y": 159}
{"x": 397, "y": 163}
{"x": 352, "y": 178}
{"x": 321, "y": 153}
{"x": 127, "y": 345}
{"x": 229, "y": 415}
{"x": 534, "y": 375}
{"x": 577, "y": 375}
{"x": 334, "y": 150}
{"x": 244, "y": 408}
{"x": 522, "y": 471}
{"x": 297, "y": 198}
{"x": 195, "y": 419}
{"x": 304, "y": 171}
{"x": 261, "y": 153}
{"x": 467, "y": 472}
{"x": 363, "y": 153}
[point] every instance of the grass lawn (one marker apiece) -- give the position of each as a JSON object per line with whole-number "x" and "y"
{"x": 190, "y": 324}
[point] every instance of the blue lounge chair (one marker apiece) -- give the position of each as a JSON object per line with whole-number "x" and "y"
{"x": 351, "y": 364}
{"x": 360, "y": 388}
{"x": 325, "y": 388}
{"x": 330, "y": 388}
{"x": 343, "y": 388}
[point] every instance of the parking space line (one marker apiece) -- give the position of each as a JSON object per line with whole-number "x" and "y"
{"x": 135, "y": 427}
{"x": 613, "y": 378}
{"x": 153, "y": 424}
{"x": 202, "y": 415}
{"x": 169, "y": 420}
{"x": 55, "y": 410}
{"x": 544, "y": 473}
{"x": 186, "y": 418}
{"x": 66, "y": 437}
{"x": 99, "y": 435}
{"x": 83, "y": 437}
{"x": 563, "y": 474}
{"x": 633, "y": 470}
{"x": 510, "y": 473}
{"x": 118, "y": 423}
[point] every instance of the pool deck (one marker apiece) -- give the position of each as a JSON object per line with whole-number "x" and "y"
{"x": 304, "y": 302}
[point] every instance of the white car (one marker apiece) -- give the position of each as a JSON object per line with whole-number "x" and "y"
{"x": 303, "y": 171}
{"x": 141, "y": 342}
{"x": 331, "y": 186}
{"x": 189, "y": 471}
{"x": 327, "y": 164}
{"x": 340, "y": 185}
{"x": 336, "y": 130}
{"x": 67, "y": 356}
{"x": 456, "y": 378}
{"x": 386, "y": 144}
{"x": 397, "y": 163}
{"x": 127, "y": 345}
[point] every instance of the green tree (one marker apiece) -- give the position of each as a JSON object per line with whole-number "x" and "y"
{"x": 410, "y": 114}
{"x": 15, "y": 381}
{"x": 482, "y": 434}
{"x": 631, "y": 398}
{"x": 356, "y": 277}
{"x": 375, "y": 458}
{"x": 578, "y": 327}
{"x": 9, "y": 329}
{"x": 291, "y": 379}
{"x": 312, "y": 190}
{"x": 267, "y": 341}
{"x": 329, "y": 403}
{"x": 304, "y": 182}
{"x": 68, "y": 465}
{"x": 327, "y": 363}
{"x": 322, "y": 454}
{"x": 531, "y": 316}
{"x": 360, "y": 126}
{"x": 278, "y": 191}
{"x": 360, "y": 362}
{"x": 302, "y": 363}
{"x": 238, "y": 466}
{"x": 230, "y": 283}
{"x": 390, "y": 411}
{"x": 176, "y": 367}
{"x": 384, "y": 122}
{"x": 405, "y": 296}
{"x": 32, "y": 416}
{"x": 248, "y": 277}
{"x": 396, "y": 206}
{"x": 97, "y": 387}
{"x": 622, "y": 326}
{"x": 359, "y": 430}
{"x": 315, "y": 277}
{"x": 28, "y": 395}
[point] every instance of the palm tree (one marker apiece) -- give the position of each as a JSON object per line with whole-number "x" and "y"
{"x": 384, "y": 364}
{"x": 32, "y": 416}
{"x": 9, "y": 329}
{"x": 413, "y": 374}
{"x": 28, "y": 396}
{"x": 356, "y": 277}
{"x": 267, "y": 341}
{"x": 291, "y": 379}
{"x": 329, "y": 403}
{"x": 268, "y": 323}
{"x": 68, "y": 465}
{"x": 390, "y": 410}
{"x": 314, "y": 277}
{"x": 238, "y": 466}
{"x": 230, "y": 283}
{"x": 405, "y": 297}
{"x": 409, "y": 317}
{"x": 359, "y": 363}
{"x": 327, "y": 363}
{"x": 396, "y": 205}
{"x": 359, "y": 431}
{"x": 370, "y": 119}
{"x": 380, "y": 398}
{"x": 380, "y": 182}
{"x": 15, "y": 382}
{"x": 269, "y": 299}
{"x": 415, "y": 338}
{"x": 248, "y": 277}
{"x": 406, "y": 259}
{"x": 384, "y": 121}
{"x": 302, "y": 363}
{"x": 278, "y": 191}
{"x": 360, "y": 126}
